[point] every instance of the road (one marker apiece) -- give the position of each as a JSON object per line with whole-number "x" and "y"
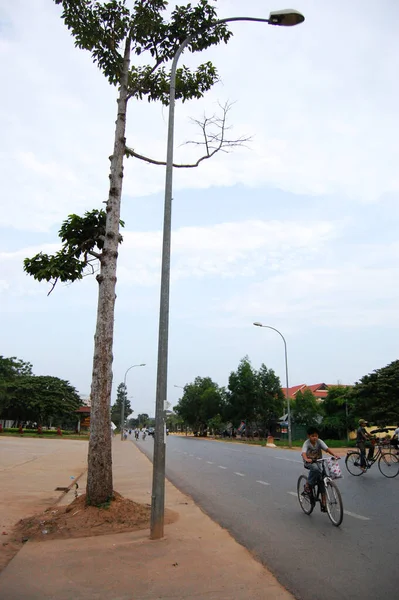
{"x": 251, "y": 491}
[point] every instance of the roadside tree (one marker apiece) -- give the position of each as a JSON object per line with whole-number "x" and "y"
{"x": 112, "y": 33}
{"x": 116, "y": 410}
{"x": 305, "y": 409}
{"x": 375, "y": 397}
{"x": 338, "y": 412}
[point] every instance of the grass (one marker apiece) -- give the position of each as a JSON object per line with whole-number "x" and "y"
{"x": 47, "y": 435}
{"x": 284, "y": 443}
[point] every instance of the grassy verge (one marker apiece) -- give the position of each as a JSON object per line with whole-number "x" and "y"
{"x": 47, "y": 435}
{"x": 281, "y": 443}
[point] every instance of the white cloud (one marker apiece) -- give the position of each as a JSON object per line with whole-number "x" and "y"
{"x": 224, "y": 250}
{"x": 352, "y": 295}
{"x": 227, "y": 250}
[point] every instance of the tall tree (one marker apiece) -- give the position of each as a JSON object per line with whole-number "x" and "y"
{"x": 116, "y": 410}
{"x": 111, "y": 33}
{"x": 375, "y": 396}
{"x": 270, "y": 398}
{"x": 202, "y": 399}
{"x": 243, "y": 395}
{"x": 305, "y": 408}
{"x": 338, "y": 413}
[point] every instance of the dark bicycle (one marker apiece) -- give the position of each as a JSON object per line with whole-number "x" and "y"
{"x": 388, "y": 462}
{"x": 307, "y": 500}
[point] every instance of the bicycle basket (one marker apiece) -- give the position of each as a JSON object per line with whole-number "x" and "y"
{"x": 333, "y": 469}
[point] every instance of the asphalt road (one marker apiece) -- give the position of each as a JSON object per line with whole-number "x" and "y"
{"x": 251, "y": 491}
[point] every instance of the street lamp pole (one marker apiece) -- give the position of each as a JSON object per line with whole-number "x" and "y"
{"x": 283, "y": 18}
{"x": 287, "y": 394}
{"x": 124, "y": 395}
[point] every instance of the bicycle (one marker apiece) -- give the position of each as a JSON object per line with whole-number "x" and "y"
{"x": 388, "y": 462}
{"x": 307, "y": 500}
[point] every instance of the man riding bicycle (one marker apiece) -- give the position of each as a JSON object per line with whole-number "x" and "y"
{"x": 361, "y": 438}
{"x": 312, "y": 450}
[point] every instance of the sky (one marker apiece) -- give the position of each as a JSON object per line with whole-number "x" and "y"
{"x": 297, "y": 230}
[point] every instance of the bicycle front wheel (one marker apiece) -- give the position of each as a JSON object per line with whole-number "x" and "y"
{"x": 352, "y": 463}
{"x": 335, "y": 509}
{"x": 306, "y": 501}
{"x": 388, "y": 464}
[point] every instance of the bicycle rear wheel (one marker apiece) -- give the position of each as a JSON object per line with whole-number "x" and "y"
{"x": 335, "y": 509}
{"x": 306, "y": 501}
{"x": 388, "y": 464}
{"x": 352, "y": 463}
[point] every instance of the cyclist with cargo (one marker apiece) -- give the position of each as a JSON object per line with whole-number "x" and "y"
{"x": 312, "y": 450}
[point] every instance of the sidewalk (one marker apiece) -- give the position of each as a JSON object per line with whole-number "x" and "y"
{"x": 196, "y": 559}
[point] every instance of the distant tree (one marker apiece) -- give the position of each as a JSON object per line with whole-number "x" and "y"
{"x": 243, "y": 395}
{"x": 143, "y": 420}
{"x": 13, "y": 367}
{"x": 216, "y": 425}
{"x": 133, "y": 422}
{"x": 116, "y": 409}
{"x": 270, "y": 399}
{"x": 305, "y": 409}
{"x": 174, "y": 422}
{"x": 338, "y": 412}
{"x": 376, "y": 396}
{"x": 254, "y": 397}
{"x": 10, "y": 368}
{"x": 41, "y": 399}
{"x": 202, "y": 399}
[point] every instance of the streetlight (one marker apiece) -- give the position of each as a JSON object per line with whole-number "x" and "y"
{"x": 257, "y": 324}
{"x": 179, "y": 386}
{"x": 285, "y": 18}
{"x": 124, "y": 392}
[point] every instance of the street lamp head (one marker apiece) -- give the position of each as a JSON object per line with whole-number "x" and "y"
{"x": 257, "y": 324}
{"x": 142, "y": 365}
{"x": 286, "y": 18}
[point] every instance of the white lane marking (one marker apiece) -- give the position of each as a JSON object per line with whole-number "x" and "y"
{"x": 346, "y": 512}
{"x": 209, "y": 462}
{"x": 356, "y": 516}
{"x": 199, "y": 458}
{"x": 220, "y": 467}
{"x": 239, "y": 474}
{"x": 289, "y": 459}
{"x": 262, "y": 482}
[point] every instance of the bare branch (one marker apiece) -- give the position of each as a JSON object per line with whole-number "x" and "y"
{"x": 213, "y": 133}
{"x": 52, "y": 286}
{"x": 95, "y": 254}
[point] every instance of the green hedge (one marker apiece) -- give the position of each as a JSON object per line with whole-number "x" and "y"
{"x": 330, "y": 443}
{"x": 46, "y": 432}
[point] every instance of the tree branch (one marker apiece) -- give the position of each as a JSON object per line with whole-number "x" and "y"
{"x": 53, "y": 286}
{"x": 213, "y": 131}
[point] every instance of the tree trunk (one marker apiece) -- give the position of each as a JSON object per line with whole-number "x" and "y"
{"x": 99, "y": 475}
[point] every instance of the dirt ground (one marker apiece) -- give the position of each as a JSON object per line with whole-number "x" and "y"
{"x": 78, "y": 520}
{"x": 31, "y": 470}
